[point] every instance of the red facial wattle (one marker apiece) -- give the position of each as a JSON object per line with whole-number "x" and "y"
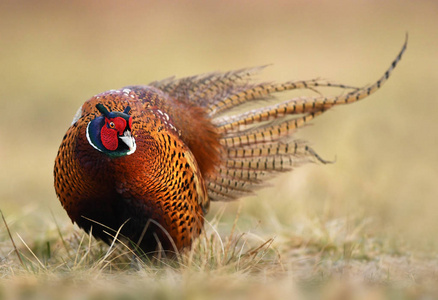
{"x": 111, "y": 130}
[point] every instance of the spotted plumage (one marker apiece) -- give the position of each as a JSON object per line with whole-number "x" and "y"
{"x": 147, "y": 160}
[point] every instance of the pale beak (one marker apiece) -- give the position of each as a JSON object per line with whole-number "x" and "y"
{"x": 129, "y": 140}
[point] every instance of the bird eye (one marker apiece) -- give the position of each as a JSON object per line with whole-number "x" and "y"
{"x": 112, "y": 125}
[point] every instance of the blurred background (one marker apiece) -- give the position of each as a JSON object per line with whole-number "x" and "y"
{"x": 54, "y": 55}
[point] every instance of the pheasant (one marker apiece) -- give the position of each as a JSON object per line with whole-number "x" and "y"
{"x": 145, "y": 161}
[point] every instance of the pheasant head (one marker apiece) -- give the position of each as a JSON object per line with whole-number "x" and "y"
{"x": 110, "y": 133}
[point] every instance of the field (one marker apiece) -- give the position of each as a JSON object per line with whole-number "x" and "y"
{"x": 361, "y": 228}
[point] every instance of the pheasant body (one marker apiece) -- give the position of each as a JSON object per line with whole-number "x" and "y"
{"x": 149, "y": 159}
{"x": 162, "y": 182}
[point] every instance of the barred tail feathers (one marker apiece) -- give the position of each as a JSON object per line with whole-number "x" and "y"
{"x": 258, "y": 144}
{"x": 299, "y": 105}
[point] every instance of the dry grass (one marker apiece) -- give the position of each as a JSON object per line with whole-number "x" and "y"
{"x": 330, "y": 260}
{"x": 365, "y": 225}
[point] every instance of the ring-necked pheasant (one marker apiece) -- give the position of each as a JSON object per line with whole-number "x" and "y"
{"x": 149, "y": 159}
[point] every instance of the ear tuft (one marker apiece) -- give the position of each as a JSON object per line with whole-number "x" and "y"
{"x": 100, "y": 107}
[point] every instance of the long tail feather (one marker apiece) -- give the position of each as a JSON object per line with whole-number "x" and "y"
{"x": 302, "y": 104}
{"x": 261, "y": 91}
{"x": 267, "y": 133}
{"x": 258, "y": 144}
{"x": 207, "y": 89}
